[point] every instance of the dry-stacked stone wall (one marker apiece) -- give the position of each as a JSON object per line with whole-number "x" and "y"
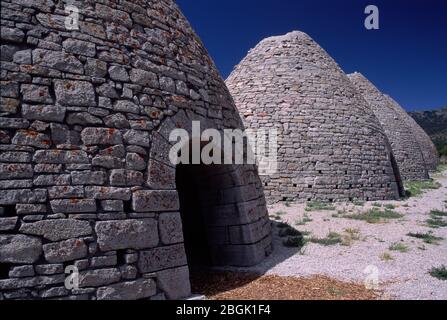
{"x": 406, "y": 148}
{"x": 85, "y": 178}
{"x": 331, "y": 145}
{"x": 428, "y": 148}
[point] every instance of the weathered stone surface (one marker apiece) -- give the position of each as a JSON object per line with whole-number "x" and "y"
{"x": 15, "y": 156}
{"x": 127, "y": 234}
{"x": 15, "y": 170}
{"x": 325, "y": 128}
{"x": 175, "y": 283}
{"x": 107, "y": 90}
{"x": 52, "y": 180}
{"x": 126, "y": 106}
{"x": 73, "y": 205}
{"x": 99, "y": 277}
{"x": 170, "y": 225}
{"x": 162, "y": 258}
{"x": 117, "y": 120}
{"x": 59, "y": 229}
{"x": 135, "y": 162}
{"x": 7, "y": 224}
{"x": 9, "y": 105}
{"x": 137, "y": 137}
{"x": 144, "y": 78}
{"x": 112, "y": 205}
{"x": 400, "y": 132}
{"x": 9, "y": 197}
{"x": 9, "y": 89}
{"x": 78, "y": 114}
{"x": 49, "y": 269}
{"x": 79, "y": 47}
{"x": 83, "y": 119}
{"x": 10, "y": 34}
{"x": 35, "y": 93}
{"x": 150, "y": 201}
{"x": 133, "y": 290}
{"x": 63, "y": 251}
{"x": 19, "y": 249}
{"x": 108, "y": 162}
{"x": 88, "y": 177}
{"x": 30, "y": 208}
{"x": 160, "y": 176}
{"x": 75, "y": 93}
{"x": 96, "y": 68}
{"x": 118, "y": 73}
{"x": 7, "y": 52}
{"x": 16, "y": 184}
{"x": 123, "y": 178}
{"x": 44, "y": 113}
{"x": 57, "y": 60}
{"x": 62, "y": 135}
{"x": 60, "y": 156}
{"x": 13, "y": 123}
{"x": 21, "y": 272}
{"x": 105, "y": 261}
{"x": 107, "y": 136}
{"x": 32, "y": 139}
{"x": 65, "y": 192}
{"x": 108, "y": 193}
{"x": 23, "y": 57}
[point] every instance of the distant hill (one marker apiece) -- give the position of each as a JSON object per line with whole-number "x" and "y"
{"x": 434, "y": 122}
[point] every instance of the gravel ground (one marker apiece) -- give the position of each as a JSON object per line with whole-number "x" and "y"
{"x": 399, "y": 275}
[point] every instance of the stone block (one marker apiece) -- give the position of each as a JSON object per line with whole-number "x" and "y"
{"x": 127, "y": 234}
{"x": 64, "y": 251}
{"x": 19, "y": 249}
{"x": 161, "y": 258}
{"x": 170, "y": 225}
{"x": 73, "y": 205}
{"x": 151, "y": 200}
{"x": 58, "y": 229}
{"x": 175, "y": 283}
{"x": 133, "y": 290}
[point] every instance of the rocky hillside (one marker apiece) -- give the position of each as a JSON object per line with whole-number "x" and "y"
{"x": 434, "y": 123}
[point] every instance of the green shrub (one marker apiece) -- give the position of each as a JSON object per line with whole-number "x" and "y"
{"x": 318, "y": 206}
{"x": 294, "y": 241}
{"x": 399, "y": 246}
{"x": 426, "y": 237}
{"x": 439, "y": 273}
{"x": 375, "y": 215}
{"x": 416, "y": 188}
{"x": 332, "y": 238}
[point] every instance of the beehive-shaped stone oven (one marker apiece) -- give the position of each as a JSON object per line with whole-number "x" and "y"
{"x": 428, "y": 148}
{"x": 401, "y": 134}
{"x": 88, "y": 104}
{"x": 331, "y": 146}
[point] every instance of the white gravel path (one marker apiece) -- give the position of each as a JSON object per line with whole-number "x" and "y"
{"x": 404, "y": 277}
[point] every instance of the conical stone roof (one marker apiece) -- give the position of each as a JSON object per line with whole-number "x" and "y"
{"x": 405, "y": 145}
{"x": 331, "y": 145}
{"x": 90, "y": 94}
{"x": 428, "y": 148}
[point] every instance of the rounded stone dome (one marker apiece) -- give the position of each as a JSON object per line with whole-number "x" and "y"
{"x": 91, "y": 91}
{"x": 407, "y": 148}
{"x": 331, "y": 145}
{"x": 428, "y": 148}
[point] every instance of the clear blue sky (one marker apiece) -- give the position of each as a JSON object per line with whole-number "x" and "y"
{"x": 406, "y": 58}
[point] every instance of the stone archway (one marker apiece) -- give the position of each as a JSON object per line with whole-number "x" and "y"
{"x": 219, "y": 214}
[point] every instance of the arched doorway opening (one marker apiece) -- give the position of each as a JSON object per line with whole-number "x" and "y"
{"x": 202, "y": 235}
